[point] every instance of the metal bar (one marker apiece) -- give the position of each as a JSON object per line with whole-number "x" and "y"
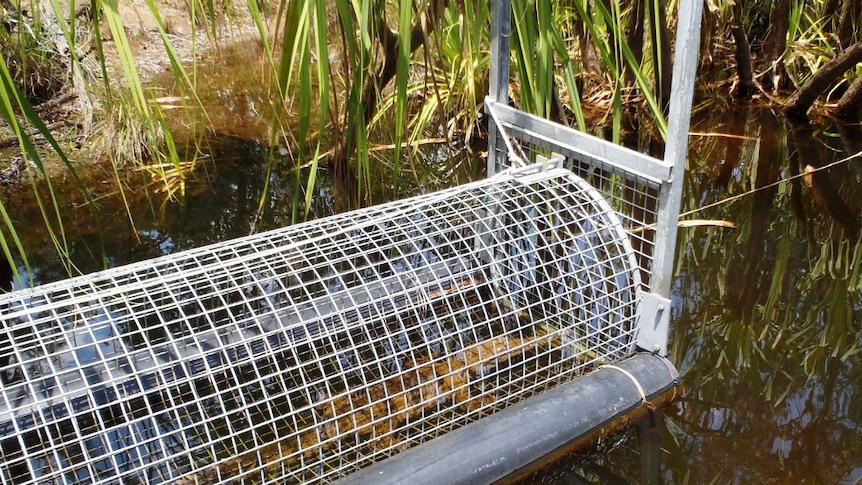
{"x": 501, "y": 31}
{"x": 501, "y": 444}
{"x": 650, "y": 429}
{"x": 676, "y": 149}
{"x": 581, "y": 145}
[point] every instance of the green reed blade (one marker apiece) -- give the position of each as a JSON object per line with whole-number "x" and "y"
{"x": 9, "y": 93}
{"x": 405, "y": 27}
{"x": 321, "y": 45}
{"x": 569, "y": 75}
{"x": 127, "y": 59}
{"x": 625, "y": 54}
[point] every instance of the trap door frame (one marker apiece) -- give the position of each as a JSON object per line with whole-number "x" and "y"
{"x": 665, "y": 175}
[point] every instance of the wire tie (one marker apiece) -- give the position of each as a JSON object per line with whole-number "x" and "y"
{"x": 650, "y": 406}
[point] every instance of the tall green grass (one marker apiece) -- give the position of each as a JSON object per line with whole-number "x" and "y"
{"x": 325, "y": 57}
{"x": 546, "y": 58}
{"x": 321, "y": 107}
{"x": 13, "y": 102}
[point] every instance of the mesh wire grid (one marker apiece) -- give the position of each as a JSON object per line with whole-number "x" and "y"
{"x": 634, "y": 194}
{"x": 301, "y": 354}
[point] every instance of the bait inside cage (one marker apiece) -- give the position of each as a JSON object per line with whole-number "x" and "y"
{"x": 306, "y": 353}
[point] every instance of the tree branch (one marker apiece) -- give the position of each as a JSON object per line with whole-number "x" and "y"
{"x": 776, "y": 45}
{"x": 850, "y": 103}
{"x": 742, "y": 55}
{"x": 805, "y": 96}
{"x": 391, "y": 43}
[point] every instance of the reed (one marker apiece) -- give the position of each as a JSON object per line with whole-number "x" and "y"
{"x": 347, "y": 76}
{"x": 15, "y": 110}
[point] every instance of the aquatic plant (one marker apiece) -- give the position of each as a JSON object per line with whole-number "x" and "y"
{"x": 344, "y": 79}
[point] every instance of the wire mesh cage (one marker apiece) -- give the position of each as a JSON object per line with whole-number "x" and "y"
{"x": 631, "y": 182}
{"x": 302, "y": 354}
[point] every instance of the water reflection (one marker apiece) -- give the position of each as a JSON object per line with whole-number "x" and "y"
{"x": 768, "y": 316}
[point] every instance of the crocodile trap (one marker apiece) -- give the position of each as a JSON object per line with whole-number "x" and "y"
{"x": 305, "y": 353}
{"x": 483, "y": 325}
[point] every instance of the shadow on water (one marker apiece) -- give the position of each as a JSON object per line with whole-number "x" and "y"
{"x": 221, "y": 203}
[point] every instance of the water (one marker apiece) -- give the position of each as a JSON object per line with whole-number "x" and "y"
{"x": 767, "y": 316}
{"x": 221, "y": 203}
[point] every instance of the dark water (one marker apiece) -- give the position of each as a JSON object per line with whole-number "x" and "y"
{"x": 221, "y": 202}
{"x": 767, "y": 316}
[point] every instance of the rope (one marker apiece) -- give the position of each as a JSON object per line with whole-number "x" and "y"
{"x": 630, "y": 376}
{"x": 773, "y": 184}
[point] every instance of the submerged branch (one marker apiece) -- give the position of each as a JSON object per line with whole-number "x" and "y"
{"x": 11, "y": 141}
{"x": 850, "y": 103}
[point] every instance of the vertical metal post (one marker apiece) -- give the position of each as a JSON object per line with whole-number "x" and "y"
{"x": 501, "y": 32}
{"x": 654, "y": 312}
{"x": 676, "y": 150}
{"x": 650, "y": 429}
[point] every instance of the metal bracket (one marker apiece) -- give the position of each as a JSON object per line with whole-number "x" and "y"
{"x": 653, "y": 320}
{"x": 543, "y": 169}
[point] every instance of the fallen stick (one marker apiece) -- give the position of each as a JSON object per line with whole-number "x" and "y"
{"x": 13, "y": 140}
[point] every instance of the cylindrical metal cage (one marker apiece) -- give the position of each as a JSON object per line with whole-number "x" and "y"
{"x": 302, "y": 354}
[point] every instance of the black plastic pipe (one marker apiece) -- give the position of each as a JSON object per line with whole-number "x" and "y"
{"x": 507, "y": 441}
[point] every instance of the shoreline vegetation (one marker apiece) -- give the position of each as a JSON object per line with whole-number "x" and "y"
{"x": 122, "y": 101}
